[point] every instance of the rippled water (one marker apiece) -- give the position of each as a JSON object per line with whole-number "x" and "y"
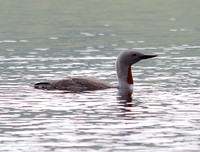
{"x": 49, "y": 40}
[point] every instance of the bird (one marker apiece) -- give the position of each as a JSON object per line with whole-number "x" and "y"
{"x": 124, "y": 61}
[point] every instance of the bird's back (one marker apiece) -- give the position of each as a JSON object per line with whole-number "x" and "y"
{"x": 73, "y": 85}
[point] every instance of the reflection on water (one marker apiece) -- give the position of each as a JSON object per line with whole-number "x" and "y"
{"x": 44, "y": 42}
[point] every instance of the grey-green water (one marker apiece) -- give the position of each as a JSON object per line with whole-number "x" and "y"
{"x": 45, "y": 40}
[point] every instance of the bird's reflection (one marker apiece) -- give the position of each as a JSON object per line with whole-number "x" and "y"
{"x": 125, "y": 97}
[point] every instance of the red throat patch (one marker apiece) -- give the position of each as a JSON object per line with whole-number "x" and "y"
{"x": 129, "y": 76}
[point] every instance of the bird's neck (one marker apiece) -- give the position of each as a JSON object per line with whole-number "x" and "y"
{"x": 129, "y": 78}
{"x": 124, "y": 75}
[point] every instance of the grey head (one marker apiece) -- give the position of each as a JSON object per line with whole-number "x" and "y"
{"x": 131, "y": 57}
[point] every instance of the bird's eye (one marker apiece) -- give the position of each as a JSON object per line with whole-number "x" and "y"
{"x": 134, "y": 54}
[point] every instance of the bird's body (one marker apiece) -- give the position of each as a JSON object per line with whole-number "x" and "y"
{"x": 123, "y": 67}
{"x": 74, "y": 85}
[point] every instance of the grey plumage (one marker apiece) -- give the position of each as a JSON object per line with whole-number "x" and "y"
{"x": 73, "y": 85}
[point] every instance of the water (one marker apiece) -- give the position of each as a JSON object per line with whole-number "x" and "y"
{"x": 45, "y": 40}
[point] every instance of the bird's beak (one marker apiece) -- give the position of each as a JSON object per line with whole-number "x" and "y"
{"x": 147, "y": 56}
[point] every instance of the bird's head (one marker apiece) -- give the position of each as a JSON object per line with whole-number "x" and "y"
{"x": 131, "y": 57}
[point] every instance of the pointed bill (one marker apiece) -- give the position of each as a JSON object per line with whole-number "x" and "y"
{"x": 147, "y": 56}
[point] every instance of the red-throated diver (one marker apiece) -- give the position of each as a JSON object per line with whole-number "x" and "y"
{"x": 123, "y": 67}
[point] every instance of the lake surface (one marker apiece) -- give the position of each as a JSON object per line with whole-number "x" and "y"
{"x": 48, "y": 40}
